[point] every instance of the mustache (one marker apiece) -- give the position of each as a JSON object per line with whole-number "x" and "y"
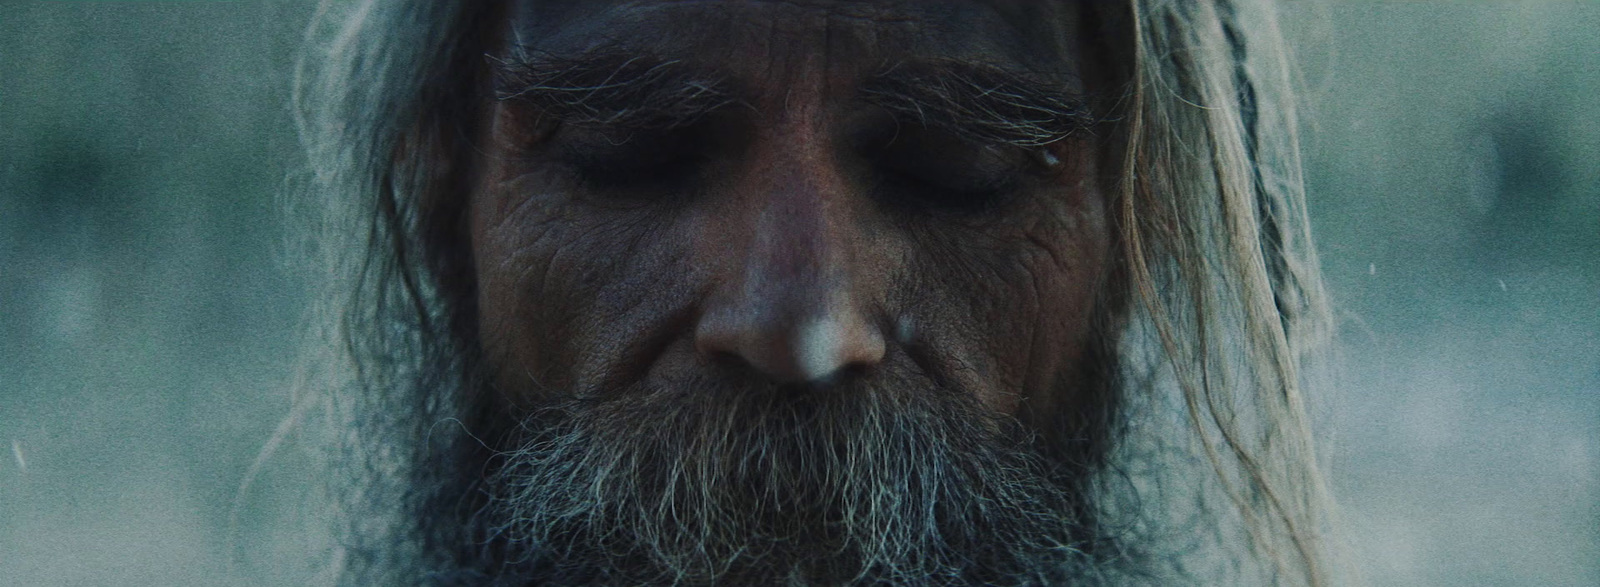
{"x": 702, "y": 480}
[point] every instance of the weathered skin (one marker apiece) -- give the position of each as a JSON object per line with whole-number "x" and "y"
{"x": 778, "y": 259}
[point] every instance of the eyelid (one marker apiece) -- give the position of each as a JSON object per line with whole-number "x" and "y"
{"x": 953, "y": 150}
{"x": 630, "y": 160}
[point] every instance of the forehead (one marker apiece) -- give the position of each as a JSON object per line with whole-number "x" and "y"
{"x": 1042, "y": 37}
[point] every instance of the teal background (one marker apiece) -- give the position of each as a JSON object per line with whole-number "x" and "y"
{"x": 148, "y": 309}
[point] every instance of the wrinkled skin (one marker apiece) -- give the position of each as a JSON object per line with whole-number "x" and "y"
{"x": 779, "y": 254}
{"x": 826, "y": 324}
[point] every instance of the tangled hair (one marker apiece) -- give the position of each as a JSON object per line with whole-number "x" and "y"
{"x": 1209, "y": 214}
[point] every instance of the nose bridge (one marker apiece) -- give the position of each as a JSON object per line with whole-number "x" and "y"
{"x": 799, "y": 252}
{"x": 792, "y": 311}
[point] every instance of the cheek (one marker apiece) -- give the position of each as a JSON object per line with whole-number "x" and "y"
{"x": 562, "y": 281}
{"x": 1068, "y": 261}
{"x": 1016, "y": 299}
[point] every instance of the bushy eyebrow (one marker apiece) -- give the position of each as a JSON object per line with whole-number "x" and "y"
{"x": 981, "y": 102}
{"x": 610, "y": 88}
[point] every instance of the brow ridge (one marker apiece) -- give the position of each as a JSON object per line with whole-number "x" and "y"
{"x": 610, "y": 88}
{"x": 982, "y": 102}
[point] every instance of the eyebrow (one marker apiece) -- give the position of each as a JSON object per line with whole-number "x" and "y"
{"x": 977, "y": 101}
{"x": 982, "y": 102}
{"x": 610, "y": 88}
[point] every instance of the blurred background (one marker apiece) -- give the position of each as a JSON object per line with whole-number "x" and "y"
{"x": 148, "y": 314}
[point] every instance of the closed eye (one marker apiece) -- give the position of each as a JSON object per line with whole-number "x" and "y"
{"x": 632, "y": 160}
{"x": 939, "y": 170}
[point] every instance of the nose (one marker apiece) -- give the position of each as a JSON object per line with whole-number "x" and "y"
{"x": 792, "y": 346}
{"x": 794, "y": 307}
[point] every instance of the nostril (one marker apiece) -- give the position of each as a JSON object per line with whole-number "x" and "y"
{"x": 744, "y": 340}
{"x": 732, "y": 362}
{"x": 843, "y": 375}
{"x": 783, "y": 349}
{"x": 736, "y": 367}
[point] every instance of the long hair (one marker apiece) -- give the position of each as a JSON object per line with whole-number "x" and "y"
{"x": 1214, "y": 229}
{"x": 1209, "y": 213}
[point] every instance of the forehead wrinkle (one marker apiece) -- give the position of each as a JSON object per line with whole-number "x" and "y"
{"x": 987, "y": 31}
{"x": 800, "y": 55}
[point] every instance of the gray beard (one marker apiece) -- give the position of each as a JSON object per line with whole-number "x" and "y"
{"x": 703, "y": 483}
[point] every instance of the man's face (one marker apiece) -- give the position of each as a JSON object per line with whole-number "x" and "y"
{"x": 788, "y": 274}
{"x": 796, "y": 194}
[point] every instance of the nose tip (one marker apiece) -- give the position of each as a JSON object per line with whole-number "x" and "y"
{"x": 805, "y": 349}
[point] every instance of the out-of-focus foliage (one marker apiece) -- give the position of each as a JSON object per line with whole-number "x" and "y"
{"x": 148, "y": 315}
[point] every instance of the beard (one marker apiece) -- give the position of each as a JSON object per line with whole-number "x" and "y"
{"x": 704, "y": 482}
